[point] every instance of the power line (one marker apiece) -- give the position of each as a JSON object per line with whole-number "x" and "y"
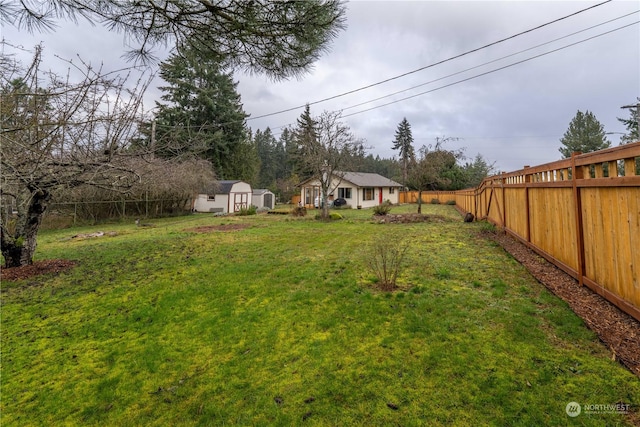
{"x": 431, "y": 65}
{"x": 485, "y": 73}
{"x": 491, "y": 71}
{"x": 204, "y": 126}
{"x": 489, "y": 62}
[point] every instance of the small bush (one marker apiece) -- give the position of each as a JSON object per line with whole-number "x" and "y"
{"x": 435, "y": 201}
{"x": 251, "y": 210}
{"x": 451, "y": 202}
{"x": 385, "y": 259}
{"x": 383, "y": 208}
{"x": 299, "y": 211}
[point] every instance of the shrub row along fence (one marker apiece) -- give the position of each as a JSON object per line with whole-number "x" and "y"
{"x": 581, "y": 214}
{"x": 65, "y": 214}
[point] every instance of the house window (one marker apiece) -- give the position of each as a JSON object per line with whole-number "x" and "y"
{"x": 392, "y": 190}
{"x": 367, "y": 193}
{"x": 344, "y": 192}
{"x": 211, "y": 197}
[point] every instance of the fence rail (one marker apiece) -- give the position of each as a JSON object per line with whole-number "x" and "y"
{"x": 582, "y": 214}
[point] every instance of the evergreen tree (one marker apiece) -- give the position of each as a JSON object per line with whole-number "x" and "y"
{"x": 266, "y": 147}
{"x": 632, "y": 135}
{"x": 290, "y": 166}
{"x": 631, "y": 124}
{"x": 307, "y": 144}
{"x": 585, "y": 134}
{"x": 404, "y": 142}
{"x": 281, "y": 39}
{"x": 201, "y": 113}
{"x": 476, "y": 171}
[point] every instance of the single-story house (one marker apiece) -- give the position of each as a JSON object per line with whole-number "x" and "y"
{"x": 224, "y": 197}
{"x": 263, "y": 198}
{"x": 359, "y": 189}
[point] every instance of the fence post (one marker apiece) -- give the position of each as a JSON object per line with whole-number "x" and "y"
{"x": 578, "y": 173}
{"x": 527, "y": 180}
{"x": 504, "y": 207}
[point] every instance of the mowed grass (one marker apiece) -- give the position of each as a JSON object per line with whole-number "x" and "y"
{"x": 279, "y": 323}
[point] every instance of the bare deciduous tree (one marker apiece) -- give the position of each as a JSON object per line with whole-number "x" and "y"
{"x": 59, "y": 134}
{"x": 326, "y": 151}
{"x": 431, "y": 170}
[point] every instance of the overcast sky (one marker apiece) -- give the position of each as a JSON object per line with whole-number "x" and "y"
{"x": 513, "y": 117}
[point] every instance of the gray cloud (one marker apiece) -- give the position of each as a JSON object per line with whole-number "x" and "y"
{"x": 514, "y": 117}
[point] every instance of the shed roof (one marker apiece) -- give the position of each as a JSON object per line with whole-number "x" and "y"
{"x": 224, "y": 187}
{"x": 258, "y": 191}
{"x": 220, "y": 187}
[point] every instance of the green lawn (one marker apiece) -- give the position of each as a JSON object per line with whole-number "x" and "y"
{"x": 279, "y": 323}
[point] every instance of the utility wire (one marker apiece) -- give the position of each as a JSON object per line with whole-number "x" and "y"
{"x": 489, "y": 62}
{"x": 477, "y": 75}
{"x": 491, "y": 71}
{"x": 431, "y": 65}
{"x": 204, "y": 126}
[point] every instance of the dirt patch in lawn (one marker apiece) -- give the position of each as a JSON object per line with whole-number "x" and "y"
{"x": 49, "y": 266}
{"x": 221, "y": 227}
{"x": 618, "y": 330}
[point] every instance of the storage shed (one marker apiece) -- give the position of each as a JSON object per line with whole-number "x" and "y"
{"x": 224, "y": 197}
{"x": 263, "y": 198}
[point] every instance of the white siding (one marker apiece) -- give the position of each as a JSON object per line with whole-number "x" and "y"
{"x": 220, "y": 204}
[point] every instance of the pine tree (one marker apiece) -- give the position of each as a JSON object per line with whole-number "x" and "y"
{"x": 585, "y": 134}
{"x": 278, "y": 38}
{"x": 404, "y": 142}
{"x": 307, "y": 144}
{"x": 201, "y": 113}
{"x": 266, "y": 146}
{"x": 632, "y": 135}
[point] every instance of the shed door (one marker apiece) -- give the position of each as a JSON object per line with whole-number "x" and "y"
{"x": 240, "y": 201}
{"x": 380, "y": 196}
{"x": 268, "y": 200}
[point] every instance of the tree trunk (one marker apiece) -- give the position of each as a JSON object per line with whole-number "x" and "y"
{"x": 18, "y": 249}
{"x": 420, "y": 201}
{"x": 325, "y": 207}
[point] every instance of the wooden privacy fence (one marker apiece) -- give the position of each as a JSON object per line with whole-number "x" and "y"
{"x": 582, "y": 214}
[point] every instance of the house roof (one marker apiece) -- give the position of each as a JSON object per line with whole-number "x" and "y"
{"x": 258, "y": 191}
{"x": 363, "y": 179}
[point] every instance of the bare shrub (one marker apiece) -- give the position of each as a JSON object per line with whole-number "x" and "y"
{"x": 385, "y": 259}
{"x": 299, "y": 211}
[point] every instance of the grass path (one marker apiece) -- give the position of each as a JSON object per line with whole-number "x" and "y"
{"x": 279, "y": 324}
